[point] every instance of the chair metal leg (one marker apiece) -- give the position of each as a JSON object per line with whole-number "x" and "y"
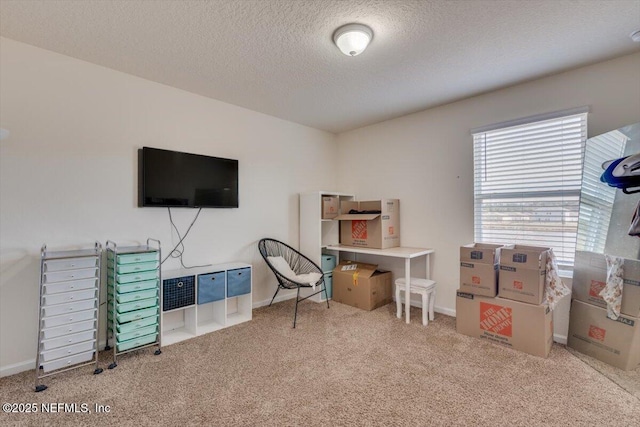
{"x": 295, "y": 315}
{"x": 274, "y": 295}
{"x": 326, "y": 294}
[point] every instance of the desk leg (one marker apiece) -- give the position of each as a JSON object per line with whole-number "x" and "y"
{"x": 407, "y": 287}
{"x": 428, "y": 267}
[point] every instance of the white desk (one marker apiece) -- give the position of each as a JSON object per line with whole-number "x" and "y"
{"x": 398, "y": 252}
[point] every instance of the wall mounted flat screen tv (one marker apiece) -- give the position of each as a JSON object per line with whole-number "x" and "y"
{"x": 174, "y": 179}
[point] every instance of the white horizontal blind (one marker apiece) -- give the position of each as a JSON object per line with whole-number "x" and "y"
{"x": 597, "y": 198}
{"x": 527, "y": 184}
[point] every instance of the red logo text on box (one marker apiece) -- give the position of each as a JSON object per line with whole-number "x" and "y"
{"x": 596, "y": 333}
{"x": 475, "y": 280}
{"x": 496, "y": 318}
{"x": 359, "y": 229}
{"x": 517, "y": 285}
{"x": 595, "y": 288}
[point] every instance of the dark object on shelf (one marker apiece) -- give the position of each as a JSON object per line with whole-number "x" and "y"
{"x": 299, "y": 263}
{"x": 364, "y": 212}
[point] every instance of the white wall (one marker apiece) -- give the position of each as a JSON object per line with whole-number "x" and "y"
{"x": 68, "y": 175}
{"x": 426, "y": 159}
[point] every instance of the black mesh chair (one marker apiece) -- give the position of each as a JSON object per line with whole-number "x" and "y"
{"x": 299, "y": 263}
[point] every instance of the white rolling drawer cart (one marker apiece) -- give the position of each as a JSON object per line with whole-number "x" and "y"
{"x": 68, "y": 316}
{"x": 133, "y": 298}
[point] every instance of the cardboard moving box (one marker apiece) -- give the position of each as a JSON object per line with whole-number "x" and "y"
{"x": 590, "y": 277}
{"x": 479, "y": 268}
{"x": 330, "y": 206}
{"x": 616, "y": 342}
{"x": 361, "y": 285}
{"x": 522, "y": 273}
{"x": 370, "y": 230}
{"x": 521, "y": 326}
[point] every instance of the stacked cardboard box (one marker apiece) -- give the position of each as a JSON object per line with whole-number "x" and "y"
{"x": 523, "y": 273}
{"x": 479, "y": 269}
{"x": 370, "y": 224}
{"x": 516, "y": 318}
{"x": 616, "y": 342}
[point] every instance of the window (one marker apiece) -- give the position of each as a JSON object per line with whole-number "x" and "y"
{"x": 527, "y": 179}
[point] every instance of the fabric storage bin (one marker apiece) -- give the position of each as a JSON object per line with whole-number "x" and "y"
{"x": 238, "y": 282}
{"x": 211, "y": 287}
{"x": 328, "y": 263}
{"x": 178, "y": 292}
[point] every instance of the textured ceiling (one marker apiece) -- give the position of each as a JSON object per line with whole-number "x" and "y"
{"x": 277, "y": 56}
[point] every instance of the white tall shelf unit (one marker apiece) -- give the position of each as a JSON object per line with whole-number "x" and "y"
{"x": 196, "y": 319}
{"x": 317, "y": 234}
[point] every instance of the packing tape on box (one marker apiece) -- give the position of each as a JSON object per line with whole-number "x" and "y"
{"x": 355, "y": 278}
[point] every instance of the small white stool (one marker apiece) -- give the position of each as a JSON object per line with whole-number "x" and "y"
{"x": 424, "y": 287}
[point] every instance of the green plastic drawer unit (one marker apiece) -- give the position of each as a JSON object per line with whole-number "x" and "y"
{"x": 136, "y": 324}
{"x": 136, "y": 333}
{"x": 238, "y": 282}
{"x": 137, "y": 305}
{"x": 135, "y": 296}
{"x": 210, "y": 287}
{"x": 136, "y": 315}
{"x": 137, "y": 277}
{"x": 328, "y": 282}
{"x": 133, "y": 268}
{"x": 137, "y": 342}
{"x": 328, "y": 262}
{"x": 136, "y": 257}
{"x": 178, "y": 292}
{"x": 137, "y": 286}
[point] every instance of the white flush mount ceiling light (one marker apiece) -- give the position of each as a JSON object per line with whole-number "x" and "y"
{"x": 635, "y": 36}
{"x": 352, "y": 39}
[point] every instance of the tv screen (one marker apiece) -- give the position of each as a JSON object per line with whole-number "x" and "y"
{"x": 175, "y": 179}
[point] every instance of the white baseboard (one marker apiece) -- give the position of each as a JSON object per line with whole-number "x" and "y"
{"x": 281, "y": 297}
{"x": 16, "y": 368}
{"x": 560, "y": 339}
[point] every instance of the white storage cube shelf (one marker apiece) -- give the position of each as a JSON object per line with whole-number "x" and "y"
{"x": 222, "y": 297}
{"x": 316, "y": 233}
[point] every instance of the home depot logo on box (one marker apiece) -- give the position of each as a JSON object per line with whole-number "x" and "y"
{"x": 595, "y": 288}
{"x": 596, "y": 333}
{"x": 359, "y": 229}
{"x": 496, "y": 319}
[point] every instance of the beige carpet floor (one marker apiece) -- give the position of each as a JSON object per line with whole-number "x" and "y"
{"x": 339, "y": 367}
